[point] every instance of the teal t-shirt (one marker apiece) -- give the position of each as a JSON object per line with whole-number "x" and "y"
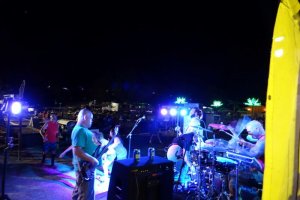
{"x": 82, "y": 137}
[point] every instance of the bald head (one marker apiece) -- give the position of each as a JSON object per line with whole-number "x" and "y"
{"x": 85, "y": 118}
{"x": 255, "y": 128}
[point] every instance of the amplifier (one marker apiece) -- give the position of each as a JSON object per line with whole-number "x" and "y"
{"x": 143, "y": 180}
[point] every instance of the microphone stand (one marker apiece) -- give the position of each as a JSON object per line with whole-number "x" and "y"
{"x": 130, "y": 134}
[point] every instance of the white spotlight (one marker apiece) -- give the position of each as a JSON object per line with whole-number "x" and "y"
{"x": 16, "y": 107}
{"x": 183, "y": 112}
{"x": 173, "y": 111}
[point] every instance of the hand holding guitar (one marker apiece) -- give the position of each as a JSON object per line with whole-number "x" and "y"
{"x": 178, "y": 131}
{"x": 87, "y": 168}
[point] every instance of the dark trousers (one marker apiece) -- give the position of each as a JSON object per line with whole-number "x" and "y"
{"x": 84, "y": 190}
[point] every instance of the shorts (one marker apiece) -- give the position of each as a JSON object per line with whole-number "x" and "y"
{"x": 49, "y": 146}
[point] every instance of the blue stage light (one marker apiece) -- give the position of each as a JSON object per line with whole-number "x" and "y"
{"x": 164, "y": 111}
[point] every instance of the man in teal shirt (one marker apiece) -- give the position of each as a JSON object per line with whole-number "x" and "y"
{"x": 83, "y": 148}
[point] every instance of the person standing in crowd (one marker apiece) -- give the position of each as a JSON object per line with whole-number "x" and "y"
{"x": 83, "y": 148}
{"x": 250, "y": 175}
{"x": 153, "y": 128}
{"x": 115, "y": 151}
{"x": 49, "y": 133}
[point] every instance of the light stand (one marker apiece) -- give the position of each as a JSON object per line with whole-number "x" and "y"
{"x": 9, "y": 142}
{"x": 9, "y": 107}
{"x": 130, "y": 134}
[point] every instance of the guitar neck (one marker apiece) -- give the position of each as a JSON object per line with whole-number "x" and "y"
{"x": 105, "y": 148}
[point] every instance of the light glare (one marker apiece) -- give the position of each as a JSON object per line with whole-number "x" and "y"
{"x": 16, "y": 107}
{"x": 183, "y": 112}
{"x": 279, "y": 53}
{"x": 173, "y": 112}
{"x": 164, "y": 111}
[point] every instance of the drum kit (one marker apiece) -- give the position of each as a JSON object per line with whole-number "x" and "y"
{"x": 213, "y": 160}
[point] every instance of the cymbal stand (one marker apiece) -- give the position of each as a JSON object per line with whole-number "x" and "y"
{"x": 236, "y": 179}
{"x": 198, "y": 194}
{"x": 199, "y": 174}
{"x": 212, "y": 189}
{"x": 239, "y": 159}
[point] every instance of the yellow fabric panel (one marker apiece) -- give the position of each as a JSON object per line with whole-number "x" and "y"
{"x": 281, "y": 172}
{"x": 293, "y": 5}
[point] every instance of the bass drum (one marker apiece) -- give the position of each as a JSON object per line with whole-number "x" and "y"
{"x": 211, "y": 182}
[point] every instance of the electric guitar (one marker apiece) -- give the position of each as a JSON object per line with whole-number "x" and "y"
{"x": 85, "y": 168}
{"x": 175, "y": 153}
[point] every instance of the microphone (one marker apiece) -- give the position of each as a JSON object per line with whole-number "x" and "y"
{"x": 140, "y": 119}
{"x": 143, "y": 117}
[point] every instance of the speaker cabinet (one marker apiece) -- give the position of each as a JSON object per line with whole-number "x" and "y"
{"x": 143, "y": 180}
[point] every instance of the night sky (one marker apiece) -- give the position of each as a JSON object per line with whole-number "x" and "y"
{"x": 70, "y": 52}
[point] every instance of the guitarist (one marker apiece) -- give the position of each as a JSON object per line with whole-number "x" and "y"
{"x": 83, "y": 148}
{"x": 115, "y": 151}
{"x": 180, "y": 148}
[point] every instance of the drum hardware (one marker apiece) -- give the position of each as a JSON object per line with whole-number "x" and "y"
{"x": 207, "y": 175}
{"x": 239, "y": 157}
{"x": 212, "y": 170}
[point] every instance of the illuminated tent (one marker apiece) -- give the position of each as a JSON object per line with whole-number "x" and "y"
{"x": 281, "y": 177}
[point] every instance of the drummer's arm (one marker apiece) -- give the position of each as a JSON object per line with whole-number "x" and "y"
{"x": 246, "y": 144}
{"x": 258, "y": 149}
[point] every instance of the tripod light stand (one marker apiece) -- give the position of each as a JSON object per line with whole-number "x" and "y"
{"x": 9, "y": 107}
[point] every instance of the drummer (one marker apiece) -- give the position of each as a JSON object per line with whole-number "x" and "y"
{"x": 255, "y": 172}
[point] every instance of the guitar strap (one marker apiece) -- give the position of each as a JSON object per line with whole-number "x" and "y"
{"x": 96, "y": 152}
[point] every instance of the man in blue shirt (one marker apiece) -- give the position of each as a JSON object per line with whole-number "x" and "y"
{"x": 83, "y": 148}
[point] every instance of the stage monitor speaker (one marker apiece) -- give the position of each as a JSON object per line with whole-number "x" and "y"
{"x": 143, "y": 180}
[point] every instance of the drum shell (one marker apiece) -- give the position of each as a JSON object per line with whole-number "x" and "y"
{"x": 224, "y": 165}
{"x": 204, "y": 156}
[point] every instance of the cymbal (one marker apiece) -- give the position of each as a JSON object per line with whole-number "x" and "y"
{"x": 214, "y": 148}
{"x": 218, "y": 145}
{"x": 219, "y": 126}
{"x": 217, "y": 142}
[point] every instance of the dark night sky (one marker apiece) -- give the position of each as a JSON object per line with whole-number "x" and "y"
{"x": 137, "y": 52}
